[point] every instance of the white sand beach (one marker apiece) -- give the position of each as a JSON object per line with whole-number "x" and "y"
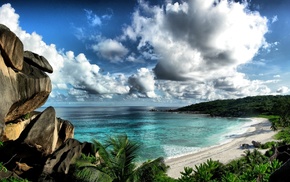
{"x": 259, "y": 131}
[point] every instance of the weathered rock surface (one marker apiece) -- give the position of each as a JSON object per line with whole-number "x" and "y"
{"x": 24, "y": 87}
{"x": 282, "y": 174}
{"x": 46, "y": 132}
{"x": 65, "y": 131}
{"x": 37, "y": 145}
{"x": 42, "y": 132}
{"x": 13, "y": 130}
{"x": 59, "y": 162}
{"x": 11, "y": 48}
{"x": 38, "y": 61}
{"x": 14, "y": 152}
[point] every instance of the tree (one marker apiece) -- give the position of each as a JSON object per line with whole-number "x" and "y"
{"x": 117, "y": 157}
{"x": 282, "y": 108}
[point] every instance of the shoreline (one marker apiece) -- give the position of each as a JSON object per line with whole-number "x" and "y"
{"x": 258, "y": 131}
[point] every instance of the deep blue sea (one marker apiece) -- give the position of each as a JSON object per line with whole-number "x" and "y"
{"x": 159, "y": 133}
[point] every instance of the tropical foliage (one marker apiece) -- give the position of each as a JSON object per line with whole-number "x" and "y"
{"x": 253, "y": 166}
{"x": 115, "y": 162}
{"x": 116, "y": 158}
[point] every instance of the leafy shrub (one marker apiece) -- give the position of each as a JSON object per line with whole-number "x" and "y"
{"x": 186, "y": 175}
{"x": 253, "y": 166}
{"x": 283, "y": 135}
{"x": 208, "y": 171}
{"x": 268, "y": 145}
{"x": 230, "y": 177}
{"x": 153, "y": 171}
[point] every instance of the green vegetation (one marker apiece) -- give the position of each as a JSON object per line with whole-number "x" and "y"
{"x": 253, "y": 166}
{"x": 115, "y": 159}
{"x": 116, "y": 162}
{"x": 26, "y": 116}
{"x": 245, "y": 107}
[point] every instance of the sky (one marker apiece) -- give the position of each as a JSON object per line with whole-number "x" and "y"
{"x": 156, "y": 52}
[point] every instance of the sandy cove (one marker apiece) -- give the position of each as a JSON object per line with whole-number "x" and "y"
{"x": 259, "y": 131}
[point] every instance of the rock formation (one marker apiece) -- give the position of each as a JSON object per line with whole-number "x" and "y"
{"x": 282, "y": 154}
{"x": 59, "y": 162}
{"x": 24, "y": 86}
{"x": 37, "y": 145}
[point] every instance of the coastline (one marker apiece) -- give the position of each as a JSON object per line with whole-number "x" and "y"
{"x": 258, "y": 131}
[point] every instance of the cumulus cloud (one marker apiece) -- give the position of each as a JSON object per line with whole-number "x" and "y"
{"x": 111, "y": 50}
{"x": 198, "y": 37}
{"x": 73, "y": 74}
{"x": 142, "y": 83}
{"x": 200, "y": 44}
{"x": 222, "y": 88}
{"x": 83, "y": 75}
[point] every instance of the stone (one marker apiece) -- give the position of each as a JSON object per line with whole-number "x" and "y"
{"x": 42, "y": 132}
{"x": 16, "y": 154}
{"x": 21, "y": 91}
{"x": 282, "y": 153}
{"x": 13, "y": 130}
{"x": 24, "y": 85}
{"x": 282, "y": 174}
{"x": 65, "y": 131}
{"x": 11, "y": 48}
{"x": 245, "y": 146}
{"x": 60, "y": 161}
{"x": 38, "y": 61}
{"x": 23, "y": 167}
{"x": 256, "y": 144}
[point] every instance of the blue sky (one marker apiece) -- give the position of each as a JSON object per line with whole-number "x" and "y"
{"x": 159, "y": 52}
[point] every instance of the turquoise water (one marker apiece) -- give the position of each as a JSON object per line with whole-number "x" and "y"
{"x": 159, "y": 133}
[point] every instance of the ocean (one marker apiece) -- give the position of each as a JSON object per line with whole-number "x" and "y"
{"x": 161, "y": 134}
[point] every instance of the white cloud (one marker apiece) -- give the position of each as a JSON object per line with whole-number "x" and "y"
{"x": 9, "y": 17}
{"x": 282, "y": 90}
{"x": 201, "y": 45}
{"x": 198, "y": 47}
{"x": 83, "y": 75}
{"x": 142, "y": 83}
{"x": 234, "y": 86}
{"x": 111, "y": 50}
{"x": 73, "y": 73}
{"x": 195, "y": 38}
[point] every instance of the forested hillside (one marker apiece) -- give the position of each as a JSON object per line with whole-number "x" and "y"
{"x": 243, "y": 107}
